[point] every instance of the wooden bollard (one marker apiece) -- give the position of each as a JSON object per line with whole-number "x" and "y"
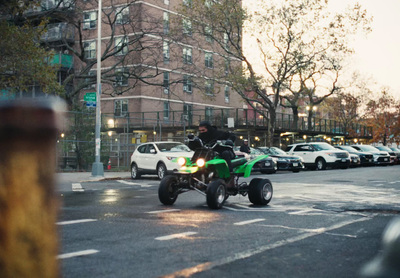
{"x": 28, "y": 205}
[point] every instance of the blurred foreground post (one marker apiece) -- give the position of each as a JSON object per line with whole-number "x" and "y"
{"x": 28, "y": 207}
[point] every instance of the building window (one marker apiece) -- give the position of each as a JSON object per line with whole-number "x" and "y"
{"x": 166, "y": 83}
{"x": 227, "y": 94}
{"x": 187, "y": 84}
{"x": 122, "y": 15}
{"x": 166, "y": 110}
{"x": 91, "y": 80}
{"x": 187, "y": 55}
{"x": 89, "y": 49}
{"x": 121, "y": 45}
{"x": 89, "y": 20}
{"x": 166, "y": 22}
{"x": 121, "y": 77}
{"x": 209, "y": 113}
{"x": 226, "y": 41}
{"x": 187, "y": 3}
{"x": 166, "y": 51}
{"x": 209, "y": 88}
{"x": 188, "y": 113}
{"x": 208, "y": 33}
{"x": 208, "y": 60}
{"x": 166, "y": 2}
{"x": 187, "y": 27}
{"x": 120, "y": 107}
{"x": 227, "y": 64}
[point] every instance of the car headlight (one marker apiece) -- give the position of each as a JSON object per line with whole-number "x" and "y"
{"x": 170, "y": 157}
{"x": 182, "y": 161}
{"x": 201, "y": 162}
{"x": 331, "y": 154}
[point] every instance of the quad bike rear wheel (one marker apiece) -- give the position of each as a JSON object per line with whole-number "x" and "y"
{"x": 167, "y": 191}
{"x": 260, "y": 191}
{"x": 216, "y": 194}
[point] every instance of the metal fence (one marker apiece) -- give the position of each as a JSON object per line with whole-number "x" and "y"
{"x": 121, "y": 133}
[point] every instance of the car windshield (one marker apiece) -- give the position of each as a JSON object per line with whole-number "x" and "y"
{"x": 367, "y": 148}
{"x": 255, "y": 151}
{"x": 383, "y": 148}
{"x": 172, "y": 147}
{"x": 348, "y": 148}
{"x": 323, "y": 147}
{"x": 276, "y": 151}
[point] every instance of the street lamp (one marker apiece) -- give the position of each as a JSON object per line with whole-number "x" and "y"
{"x": 97, "y": 166}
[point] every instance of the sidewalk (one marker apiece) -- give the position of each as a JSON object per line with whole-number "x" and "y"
{"x": 75, "y": 177}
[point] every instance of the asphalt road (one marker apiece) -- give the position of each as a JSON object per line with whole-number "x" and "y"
{"x": 318, "y": 224}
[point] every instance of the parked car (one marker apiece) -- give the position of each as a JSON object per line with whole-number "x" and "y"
{"x": 380, "y": 157}
{"x": 393, "y": 156}
{"x": 397, "y": 152}
{"x": 366, "y": 158}
{"x": 157, "y": 158}
{"x": 320, "y": 155}
{"x": 292, "y": 163}
{"x": 265, "y": 166}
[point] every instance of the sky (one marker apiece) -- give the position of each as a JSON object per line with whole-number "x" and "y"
{"x": 377, "y": 55}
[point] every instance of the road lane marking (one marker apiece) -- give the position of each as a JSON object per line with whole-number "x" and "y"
{"x": 163, "y": 211}
{"x": 134, "y": 183}
{"x": 251, "y": 252}
{"x": 249, "y": 222}
{"x": 180, "y": 235}
{"x": 78, "y": 254}
{"x": 77, "y": 187}
{"x": 75, "y": 221}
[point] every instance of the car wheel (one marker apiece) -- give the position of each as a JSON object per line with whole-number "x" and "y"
{"x": 216, "y": 194}
{"x": 321, "y": 164}
{"x": 134, "y": 171}
{"x": 260, "y": 191}
{"x": 161, "y": 170}
{"x": 167, "y": 191}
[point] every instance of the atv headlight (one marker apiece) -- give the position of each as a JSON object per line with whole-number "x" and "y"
{"x": 182, "y": 161}
{"x": 201, "y": 162}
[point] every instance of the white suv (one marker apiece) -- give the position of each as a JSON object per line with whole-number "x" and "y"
{"x": 157, "y": 158}
{"x": 319, "y": 155}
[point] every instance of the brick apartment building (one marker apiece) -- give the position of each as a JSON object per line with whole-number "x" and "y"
{"x": 161, "y": 65}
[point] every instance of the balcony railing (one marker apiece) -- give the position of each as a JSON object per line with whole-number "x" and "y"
{"x": 59, "y": 32}
{"x": 65, "y": 60}
{"x": 242, "y": 118}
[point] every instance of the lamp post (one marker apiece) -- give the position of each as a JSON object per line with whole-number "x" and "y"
{"x": 97, "y": 167}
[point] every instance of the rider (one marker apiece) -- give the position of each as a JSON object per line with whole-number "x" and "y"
{"x": 245, "y": 146}
{"x": 210, "y": 133}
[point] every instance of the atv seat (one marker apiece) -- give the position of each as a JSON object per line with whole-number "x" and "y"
{"x": 238, "y": 162}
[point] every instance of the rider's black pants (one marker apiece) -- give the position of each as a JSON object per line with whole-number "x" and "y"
{"x": 227, "y": 155}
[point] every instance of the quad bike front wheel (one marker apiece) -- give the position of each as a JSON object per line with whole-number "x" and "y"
{"x": 260, "y": 191}
{"x": 167, "y": 191}
{"x": 216, "y": 194}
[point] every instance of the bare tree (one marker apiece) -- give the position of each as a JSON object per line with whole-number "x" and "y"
{"x": 299, "y": 44}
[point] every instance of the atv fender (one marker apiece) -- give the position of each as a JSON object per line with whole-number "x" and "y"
{"x": 220, "y": 166}
{"x": 246, "y": 168}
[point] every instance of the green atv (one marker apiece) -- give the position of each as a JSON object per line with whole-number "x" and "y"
{"x": 209, "y": 175}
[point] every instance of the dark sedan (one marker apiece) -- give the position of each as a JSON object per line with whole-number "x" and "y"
{"x": 366, "y": 158}
{"x": 265, "y": 166}
{"x": 285, "y": 161}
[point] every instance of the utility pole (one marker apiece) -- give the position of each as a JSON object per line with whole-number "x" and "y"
{"x": 97, "y": 167}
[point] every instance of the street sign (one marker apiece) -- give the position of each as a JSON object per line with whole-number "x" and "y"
{"x": 90, "y": 97}
{"x": 90, "y": 104}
